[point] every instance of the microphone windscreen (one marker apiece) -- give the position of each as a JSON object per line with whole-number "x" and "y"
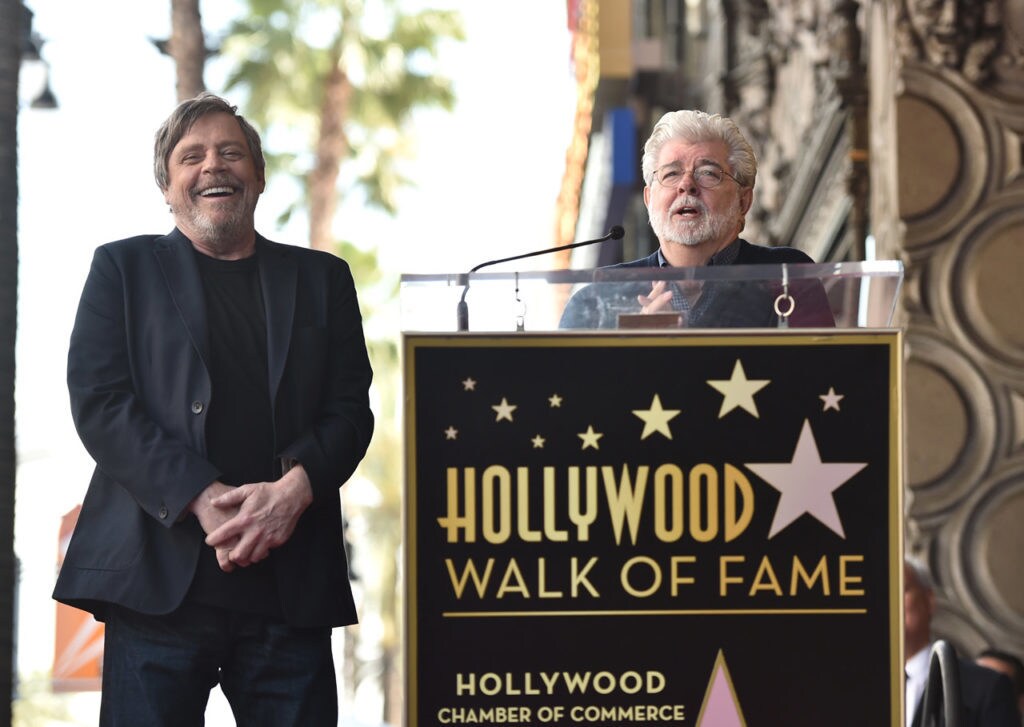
{"x": 617, "y": 233}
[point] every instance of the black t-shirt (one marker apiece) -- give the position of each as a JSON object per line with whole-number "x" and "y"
{"x": 239, "y": 424}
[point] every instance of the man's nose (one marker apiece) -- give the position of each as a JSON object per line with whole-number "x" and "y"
{"x": 688, "y": 183}
{"x": 213, "y": 162}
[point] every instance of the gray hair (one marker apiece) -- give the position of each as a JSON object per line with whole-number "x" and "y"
{"x": 920, "y": 571}
{"x": 181, "y": 121}
{"x": 696, "y": 126}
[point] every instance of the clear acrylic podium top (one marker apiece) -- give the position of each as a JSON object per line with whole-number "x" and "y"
{"x": 829, "y": 295}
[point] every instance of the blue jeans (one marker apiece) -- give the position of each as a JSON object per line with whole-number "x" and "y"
{"x": 158, "y": 670}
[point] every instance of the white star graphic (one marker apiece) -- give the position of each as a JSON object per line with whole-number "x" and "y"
{"x": 590, "y": 438}
{"x": 831, "y": 399}
{"x": 469, "y": 384}
{"x": 504, "y": 410}
{"x": 806, "y": 484}
{"x": 538, "y": 442}
{"x": 555, "y": 400}
{"x": 656, "y": 419}
{"x": 451, "y": 433}
{"x": 738, "y": 390}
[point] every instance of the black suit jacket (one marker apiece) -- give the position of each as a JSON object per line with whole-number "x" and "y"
{"x": 727, "y": 305}
{"x": 987, "y": 699}
{"x": 140, "y": 391}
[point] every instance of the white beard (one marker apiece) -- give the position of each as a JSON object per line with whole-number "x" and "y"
{"x": 691, "y": 233}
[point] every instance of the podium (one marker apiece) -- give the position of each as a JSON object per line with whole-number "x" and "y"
{"x": 686, "y": 517}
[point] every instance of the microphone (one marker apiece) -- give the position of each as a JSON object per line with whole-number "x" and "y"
{"x": 462, "y": 310}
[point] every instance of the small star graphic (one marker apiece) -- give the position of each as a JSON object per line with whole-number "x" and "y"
{"x": 656, "y": 419}
{"x": 739, "y": 391}
{"x": 538, "y": 442}
{"x": 590, "y": 438}
{"x": 504, "y": 410}
{"x": 451, "y": 433}
{"x": 555, "y": 400}
{"x": 831, "y": 399}
{"x": 806, "y": 484}
{"x": 469, "y": 384}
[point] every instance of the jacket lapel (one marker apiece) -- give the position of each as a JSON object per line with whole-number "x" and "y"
{"x": 278, "y": 276}
{"x": 177, "y": 262}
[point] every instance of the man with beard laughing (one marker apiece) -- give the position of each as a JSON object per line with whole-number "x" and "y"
{"x": 699, "y": 174}
{"x": 220, "y": 382}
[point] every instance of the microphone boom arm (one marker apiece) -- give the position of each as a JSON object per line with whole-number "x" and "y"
{"x": 462, "y": 312}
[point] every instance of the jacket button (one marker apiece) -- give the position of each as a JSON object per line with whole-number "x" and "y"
{"x": 197, "y": 407}
{"x": 163, "y": 512}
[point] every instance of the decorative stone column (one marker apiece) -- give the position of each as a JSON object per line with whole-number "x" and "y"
{"x": 948, "y": 198}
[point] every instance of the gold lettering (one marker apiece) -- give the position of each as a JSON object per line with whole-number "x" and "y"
{"x": 551, "y": 531}
{"x": 500, "y": 532}
{"x": 668, "y": 475}
{"x": 723, "y": 566}
{"x": 765, "y": 579}
{"x": 579, "y": 577}
{"x": 453, "y": 522}
{"x": 465, "y": 684}
{"x": 542, "y": 585}
{"x": 513, "y": 581}
{"x": 703, "y": 477}
{"x": 737, "y": 484}
{"x": 655, "y": 579}
{"x": 677, "y": 580}
{"x": 523, "y": 513}
{"x": 582, "y": 519}
{"x": 820, "y": 573}
{"x": 846, "y": 580}
{"x": 459, "y": 582}
{"x": 625, "y": 501}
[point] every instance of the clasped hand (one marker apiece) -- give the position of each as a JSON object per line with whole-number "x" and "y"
{"x": 243, "y": 524}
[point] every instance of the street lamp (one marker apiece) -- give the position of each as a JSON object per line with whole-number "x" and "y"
{"x": 31, "y": 50}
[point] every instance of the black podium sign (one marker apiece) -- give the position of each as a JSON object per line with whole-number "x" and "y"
{"x": 615, "y": 529}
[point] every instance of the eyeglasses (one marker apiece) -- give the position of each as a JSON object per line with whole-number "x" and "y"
{"x": 707, "y": 176}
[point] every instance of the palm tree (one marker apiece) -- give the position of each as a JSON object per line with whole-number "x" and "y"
{"x": 311, "y": 66}
{"x": 313, "y": 70}
{"x": 187, "y": 47}
{"x": 11, "y": 25}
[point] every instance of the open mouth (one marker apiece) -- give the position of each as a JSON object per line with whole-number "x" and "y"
{"x": 217, "y": 192}
{"x": 687, "y": 211}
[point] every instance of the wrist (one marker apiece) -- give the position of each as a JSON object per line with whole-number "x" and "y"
{"x": 297, "y": 481}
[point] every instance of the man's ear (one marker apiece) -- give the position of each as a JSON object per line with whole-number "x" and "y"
{"x": 746, "y": 199}
{"x": 647, "y": 197}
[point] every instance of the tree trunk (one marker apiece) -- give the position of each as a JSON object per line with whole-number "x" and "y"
{"x": 331, "y": 148}
{"x": 10, "y": 66}
{"x": 188, "y": 48}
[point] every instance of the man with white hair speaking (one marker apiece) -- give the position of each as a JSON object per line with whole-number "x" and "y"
{"x": 699, "y": 172}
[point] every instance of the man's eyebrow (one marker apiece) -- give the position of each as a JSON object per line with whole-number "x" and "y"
{"x": 188, "y": 147}
{"x": 699, "y": 163}
{"x": 197, "y": 146}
